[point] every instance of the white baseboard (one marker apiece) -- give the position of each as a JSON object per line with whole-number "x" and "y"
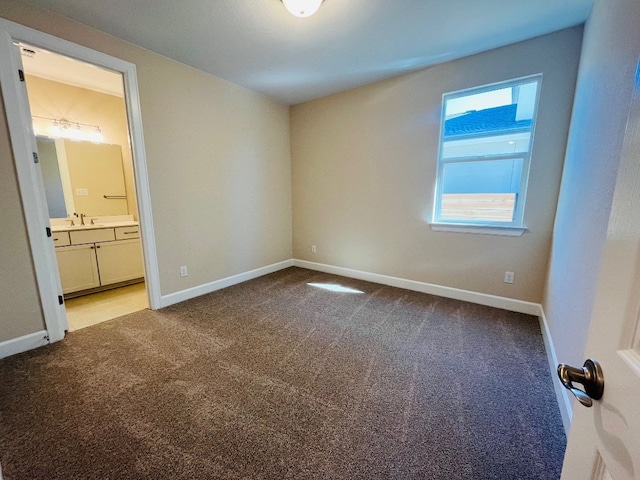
{"x": 562, "y": 395}
{"x": 505, "y": 303}
{"x": 189, "y": 293}
{"x": 24, "y": 343}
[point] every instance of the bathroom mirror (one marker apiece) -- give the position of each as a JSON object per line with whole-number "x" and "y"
{"x": 82, "y": 177}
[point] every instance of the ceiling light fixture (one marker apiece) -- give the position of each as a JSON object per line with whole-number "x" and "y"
{"x": 302, "y": 8}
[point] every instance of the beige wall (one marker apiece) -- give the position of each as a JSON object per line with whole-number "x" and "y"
{"x": 56, "y": 100}
{"x": 610, "y": 54}
{"x": 364, "y": 167}
{"x": 218, "y": 158}
{"x": 220, "y": 173}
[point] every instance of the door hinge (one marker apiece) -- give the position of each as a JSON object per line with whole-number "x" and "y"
{"x": 60, "y": 299}
{"x": 36, "y": 159}
{"x": 21, "y": 75}
{"x": 48, "y": 231}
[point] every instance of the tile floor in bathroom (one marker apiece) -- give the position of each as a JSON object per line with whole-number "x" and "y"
{"x": 99, "y": 307}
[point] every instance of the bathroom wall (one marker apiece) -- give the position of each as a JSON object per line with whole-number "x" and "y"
{"x": 57, "y": 100}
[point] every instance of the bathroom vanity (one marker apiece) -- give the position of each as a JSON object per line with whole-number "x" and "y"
{"x": 97, "y": 241}
{"x": 97, "y": 256}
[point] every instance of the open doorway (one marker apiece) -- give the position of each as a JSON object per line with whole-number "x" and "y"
{"x": 82, "y": 134}
{"x": 40, "y": 228}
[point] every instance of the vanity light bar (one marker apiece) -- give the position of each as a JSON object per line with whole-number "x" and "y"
{"x": 62, "y": 128}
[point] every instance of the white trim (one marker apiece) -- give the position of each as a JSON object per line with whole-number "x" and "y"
{"x": 631, "y": 358}
{"x": 143, "y": 192}
{"x": 479, "y": 229}
{"x": 30, "y": 180}
{"x": 193, "y": 292}
{"x": 505, "y": 303}
{"x": 562, "y": 394}
{"x": 24, "y": 343}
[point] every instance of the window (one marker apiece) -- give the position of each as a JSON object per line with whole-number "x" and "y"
{"x": 485, "y": 150}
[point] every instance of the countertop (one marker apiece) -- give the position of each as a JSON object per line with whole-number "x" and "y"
{"x": 74, "y": 228}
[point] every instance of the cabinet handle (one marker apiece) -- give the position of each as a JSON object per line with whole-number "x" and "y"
{"x": 92, "y": 247}
{"x": 97, "y": 246}
{"x": 130, "y": 233}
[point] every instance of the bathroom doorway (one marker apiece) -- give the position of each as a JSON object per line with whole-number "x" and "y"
{"x": 79, "y": 119}
{"x": 41, "y": 229}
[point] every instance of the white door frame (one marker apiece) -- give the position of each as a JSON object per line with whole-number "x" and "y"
{"x": 28, "y": 172}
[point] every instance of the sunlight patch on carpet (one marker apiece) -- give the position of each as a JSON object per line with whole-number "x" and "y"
{"x": 332, "y": 287}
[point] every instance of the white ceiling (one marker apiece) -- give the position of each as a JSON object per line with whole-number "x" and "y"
{"x": 348, "y": 43}
{"x": 49, "y": 65}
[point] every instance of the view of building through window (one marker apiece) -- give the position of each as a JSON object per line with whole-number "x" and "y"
{"x": 484, "y": 153}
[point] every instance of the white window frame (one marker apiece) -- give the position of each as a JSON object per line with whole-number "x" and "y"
{"x": 515, "y": 227}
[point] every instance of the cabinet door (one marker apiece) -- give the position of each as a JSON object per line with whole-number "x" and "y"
{"x": 78, "y": 268}
{"x": 119, "y": 261}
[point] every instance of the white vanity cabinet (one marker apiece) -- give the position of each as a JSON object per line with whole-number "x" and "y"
{"x": 78, "y": 267}
{"x": 119, "y": 261}
{"x": 97, "y": 257}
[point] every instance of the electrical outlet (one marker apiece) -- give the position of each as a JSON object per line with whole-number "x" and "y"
{"x": 183, "y": 271}
{"x": 314, "y": 249}
{"x": 509, "y": 277}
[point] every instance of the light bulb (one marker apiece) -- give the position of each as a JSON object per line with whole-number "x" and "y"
{"x": 302, "y": 8}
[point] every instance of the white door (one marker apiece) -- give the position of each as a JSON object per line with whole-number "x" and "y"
{"x": 604, "y": 440}
{"x": 30, "y": 180}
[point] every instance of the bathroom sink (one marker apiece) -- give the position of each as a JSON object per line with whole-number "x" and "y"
{"x": 59, "y": 227}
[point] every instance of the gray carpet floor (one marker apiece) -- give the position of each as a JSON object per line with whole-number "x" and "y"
{"x": 276, "y": 378}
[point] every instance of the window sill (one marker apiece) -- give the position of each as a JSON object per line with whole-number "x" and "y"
{"x": 478, "y": 229}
